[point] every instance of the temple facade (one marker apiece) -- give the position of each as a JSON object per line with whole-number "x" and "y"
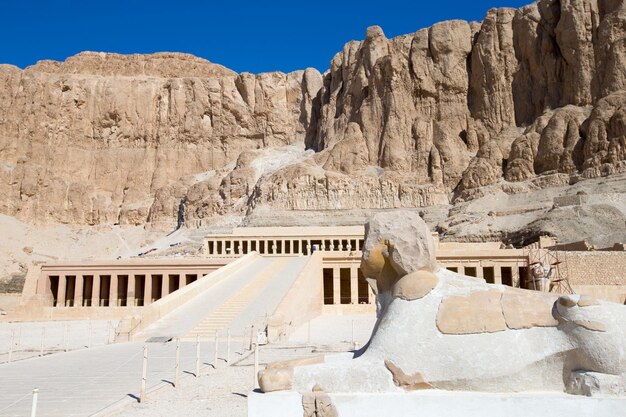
{"x": 78, "y": 289}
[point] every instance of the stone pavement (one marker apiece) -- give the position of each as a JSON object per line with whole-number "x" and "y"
{"x": 83, "y": 382}
{"x": 29, "y": 339}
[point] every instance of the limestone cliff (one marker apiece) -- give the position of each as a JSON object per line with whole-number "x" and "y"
{"x": 94, "y": 139}
{"x": 416, "y": 120}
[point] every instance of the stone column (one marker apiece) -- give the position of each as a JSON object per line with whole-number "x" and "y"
{"x": 165, "y": 284}
{"x": 78, "y": 290}
{"x": 61, "y": 291}
{"x": 95, "y": 291}
{"x": 113, "y": 291}
{"x": 497, "y": 274}
{"x": 182, "y": 280}
{"x": 336, "y": 286}
{"x": 147, "y": 290}
{"x": 130, "y": 291}
{"x": 308, "y": 247}
{"x": 354, "y": 285}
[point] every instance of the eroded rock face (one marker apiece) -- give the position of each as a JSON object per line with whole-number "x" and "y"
{"x": 106, "y": 138}
{"x": 404, "y": 122}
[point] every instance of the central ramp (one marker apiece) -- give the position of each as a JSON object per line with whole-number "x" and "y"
{"x": 244, "y": 298}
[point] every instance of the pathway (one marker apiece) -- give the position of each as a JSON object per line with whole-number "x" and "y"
{"x": 83, "y": 382}
{"x": 243, "y": 299}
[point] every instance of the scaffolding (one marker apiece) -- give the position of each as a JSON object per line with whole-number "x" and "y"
{"x": 547, "y": 271}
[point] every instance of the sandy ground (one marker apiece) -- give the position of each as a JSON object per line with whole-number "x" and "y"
{"x": 223, "y": 391}
{"x": 23, "y": 244}
{"x": 218, "y": 392}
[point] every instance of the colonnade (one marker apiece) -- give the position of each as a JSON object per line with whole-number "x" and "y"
{"x": 345, "y": 284}
{"x": 507, "y": 273}
{"x": 116, "y": 290}
{"x": 235, "y": 246}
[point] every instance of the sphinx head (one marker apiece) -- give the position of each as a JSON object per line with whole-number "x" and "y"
{"x": 397, "y": 243}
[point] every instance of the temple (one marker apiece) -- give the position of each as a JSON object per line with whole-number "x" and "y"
{"x": 82, "y": 289}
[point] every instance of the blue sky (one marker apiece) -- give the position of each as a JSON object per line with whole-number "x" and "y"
{"x": 242, "y": 35}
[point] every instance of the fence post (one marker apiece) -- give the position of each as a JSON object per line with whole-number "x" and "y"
{"x": 256, "y": 364}
{"x": 144, "y": 373}
{"x": 177, "y": 362}
{"x": 33, "y": 408}
{"x": 228, "y": 345}
{"x": 11, "y": 345}
{"x": 251, "y": 337}
{"x": 43, "y": 340}
{"x": 197, "y": 355}
{"x": 216, "y": 347}
{"x": 243, "y": 345}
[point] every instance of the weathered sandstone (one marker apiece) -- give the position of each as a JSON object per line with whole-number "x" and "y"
{"x": 417, "y": 120}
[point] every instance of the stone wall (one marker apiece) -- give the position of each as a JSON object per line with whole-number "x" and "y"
{"x": 595, "y": 268}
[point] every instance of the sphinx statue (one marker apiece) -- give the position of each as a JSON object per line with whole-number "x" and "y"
{"x": 437, "y": 329}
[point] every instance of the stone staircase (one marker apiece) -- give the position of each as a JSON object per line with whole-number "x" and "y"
{"x": 220, "y": 319}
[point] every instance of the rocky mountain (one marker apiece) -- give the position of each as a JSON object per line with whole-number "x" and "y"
{"x": 529, "y": 98}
